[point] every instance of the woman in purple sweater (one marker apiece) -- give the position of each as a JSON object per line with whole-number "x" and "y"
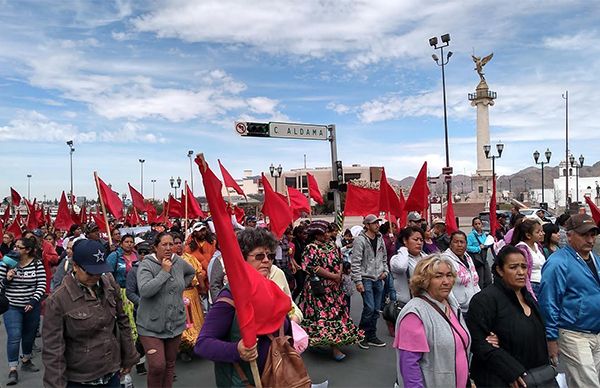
{"x": 220, "y": 339}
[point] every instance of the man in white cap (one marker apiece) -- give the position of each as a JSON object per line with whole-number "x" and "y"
{"x": 369, "y": 269}
{"x": 414, "y": 219}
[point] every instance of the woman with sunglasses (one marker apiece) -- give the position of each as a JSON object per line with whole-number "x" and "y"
{"x": 24, "y": 286}
{"x": 220, "y": 338}
{"x": 326, "y": 318}
{"x": 161, "y": 318}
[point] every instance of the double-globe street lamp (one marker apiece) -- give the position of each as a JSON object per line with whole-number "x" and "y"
{"x": 536, "y": 157}
{"x": 29, "y": 187}
{"x": 442, "y": 62}
{"x": 486, "y": 149}
{"x": 577, "y": 167}
{"x": 142, "y": 174}
{"x": 71, "y": 150}
{"x": 175, "y": 186}
{"x": 153, "y": 184}
{"x": 189, "y": 154}
{"x": 275, "y": 173}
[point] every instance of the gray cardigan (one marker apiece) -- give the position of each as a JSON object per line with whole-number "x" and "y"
{"x": 161, "y": 312}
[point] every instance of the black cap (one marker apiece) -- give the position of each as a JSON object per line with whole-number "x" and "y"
{"x": 89, "y": 255}
{"x": 90, "y": 227}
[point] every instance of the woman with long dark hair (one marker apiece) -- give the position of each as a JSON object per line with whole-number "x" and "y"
{"x": 551, "y": 238}
{"x": 527, "y": 237}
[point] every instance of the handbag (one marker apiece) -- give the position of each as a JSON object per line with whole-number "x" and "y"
{"x": 316, "y": 286}
{"x": 391, "y": 310}
{"x": 542, "y": 376}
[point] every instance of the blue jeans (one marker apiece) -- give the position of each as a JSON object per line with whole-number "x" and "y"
{"x": 388, "y": 290}
{"x": 371, "y": 301}
{"x": 21, "y": 328}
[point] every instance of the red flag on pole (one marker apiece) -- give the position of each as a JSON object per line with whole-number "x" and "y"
{"x": 175, "y": 208}
{"x": 82, "y": 218}
{"x": 493, "y": 216}
{"x": 298, "y": 202}
{"x": 419, "y": 193}
{"x": 451, "y": 226}
{"x": 15, "y": 197}
{"x": 151, "y": 213}
{"x": 388, "y": 199}
{"x": 260, "y": 305}
{"x": 276, "y": 207}
{"x": 229, "y": 181}
{"x": 6, "y": 216}
{"x": 133, "y": 218}
{"x": 313, "y": 189}
{"x": 48, "y": 218}
{"x": 137, "y": 198}
{"x": 31, "y": 220}
{"x": 99, "y": 220}
{"x": 63, "y": 220}
{"x": 194, "y": 209}
{"x": 15, "y": 227}
{"x": 594, "y": 209}
{"x": 361, "y": 201}
{"x": 112, "y": 202}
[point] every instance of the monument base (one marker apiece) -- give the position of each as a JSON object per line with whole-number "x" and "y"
{"x": 482, "y": 186}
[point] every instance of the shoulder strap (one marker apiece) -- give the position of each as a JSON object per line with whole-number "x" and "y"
{"x": 439, "y": 310}
{"x": 227, "y": 300}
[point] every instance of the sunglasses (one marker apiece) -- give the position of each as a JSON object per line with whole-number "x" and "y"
{"x": 261, "y": 256}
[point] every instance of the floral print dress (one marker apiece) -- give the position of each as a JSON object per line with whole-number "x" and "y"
{"x": 326, "y": 318}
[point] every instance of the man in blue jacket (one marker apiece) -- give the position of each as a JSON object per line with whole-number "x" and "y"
{"x": 570, "y": 302}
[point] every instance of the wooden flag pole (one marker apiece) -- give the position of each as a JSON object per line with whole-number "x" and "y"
{"x": 103, "y": 209}
{"x": 167, "y": 213}
{"x": 255, "y": 374}
{"x": 185, "y": 222}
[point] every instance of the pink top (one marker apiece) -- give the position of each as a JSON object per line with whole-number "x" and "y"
{"x": 411, "y": 337}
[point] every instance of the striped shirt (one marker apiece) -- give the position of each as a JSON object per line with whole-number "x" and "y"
{"x": 27, "y": 286}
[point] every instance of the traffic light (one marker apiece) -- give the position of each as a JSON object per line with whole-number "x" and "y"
{"x": 257, "y": 129}
{"x": 339, "y": 171}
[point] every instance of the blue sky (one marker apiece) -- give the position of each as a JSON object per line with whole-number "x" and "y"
{"x": 128, "y": 80}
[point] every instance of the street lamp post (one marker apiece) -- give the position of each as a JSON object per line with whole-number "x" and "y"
{"x": 597, "y": 192}
{"x": 536, "y": 157}
{"x": 71, "y": 150}
{"x": 566, "y": 98}
{"x": 124, "y": 197}
{"x": 153, "y": 183}
{"x": 486, "y": 149}
{"x": 142, "y": 175}
{"x": 442, "y": 62}
{"x": 29, "y": 187}
{"x": 275, "y": 173}
{"x": 175, "y": 186}
{"x": 577, "y": 167}
{"x": 189, "y": 154}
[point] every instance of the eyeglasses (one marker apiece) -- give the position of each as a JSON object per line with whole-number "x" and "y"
{"x": 261, "y": 256}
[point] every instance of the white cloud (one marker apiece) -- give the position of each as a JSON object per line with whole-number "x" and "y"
{"x": 580, "y": 41}
{"x": 338, "y": 108}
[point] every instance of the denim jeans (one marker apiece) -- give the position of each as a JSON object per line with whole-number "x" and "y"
{"x": 21, "y": 328}
{"x": 388, "y": 290}
{"x": 371, "y": 301}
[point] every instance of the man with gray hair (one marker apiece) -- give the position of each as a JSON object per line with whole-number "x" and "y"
{"x": 569, "y": 298}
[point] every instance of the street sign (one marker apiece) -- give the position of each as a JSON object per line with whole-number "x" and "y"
{"x": 447, "y": 170}
{"x": 298, "y": 131}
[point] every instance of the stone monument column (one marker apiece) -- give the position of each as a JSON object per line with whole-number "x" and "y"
{"x": 483, "y": 98}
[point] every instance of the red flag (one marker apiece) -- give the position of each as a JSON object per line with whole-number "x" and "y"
{"x": 133, "y": 218}
{"x": 419, "y": 193}
{"x": 31, "y": 220}
{"x": 594, "y": 209}
{"x": 137, "y": 199}
{"x": 451, "y": 226}
{"x": 260, "y": 305}
{"x": 63, "y": 220}
{"x": 193, "y": 207}
{"x": 99, "y": 220}
{"x": 240, "y": 214}
{"x": 16, "y": 197}
{"x": 493, "y": 216}
{"x": 277, "y": 208}
{"x": 15, "y": 227}
{"x": 229, "y": 181}
{"x": 298, "y": 202}
{"x": 82, "y": 218}
{"x": 6, "y": 216}
{"x": 313, "y": 189}
{"x": 175, "y": 208}
{"x": 388, "y": 199}
{"x": 48, "y": 218}
{"x": 151, "y": 213}
{"x": 112, "y": 202}
{"x": 361, "y": 201}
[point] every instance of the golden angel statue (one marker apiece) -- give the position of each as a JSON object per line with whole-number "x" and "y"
{"x": 480, "y": 63}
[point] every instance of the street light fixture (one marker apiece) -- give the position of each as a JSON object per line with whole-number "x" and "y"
{"x": 189, "y": 154}
{"x": 577, "y": 167}
{"x": 442, "y": 62}
{"x": 142, "y": 175}
{"x": 28, "y": 187}
{"x": 71, "y": 150}
{"x": 486, "y": 149}
{"x": 275, "y": 173}
{"x": 175, "y": 186}
{"x": 153, "y": 183}
{"x": 536, "y": 157}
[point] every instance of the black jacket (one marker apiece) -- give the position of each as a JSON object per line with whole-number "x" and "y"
{"x": 522, "y": 339}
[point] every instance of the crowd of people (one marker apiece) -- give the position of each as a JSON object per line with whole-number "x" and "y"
{"x": 466, "y": 307}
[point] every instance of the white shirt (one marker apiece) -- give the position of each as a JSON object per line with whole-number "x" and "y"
{"x": 538, "y": 261}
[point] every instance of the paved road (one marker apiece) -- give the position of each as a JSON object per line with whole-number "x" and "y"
{"x": 361, "y": 368}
